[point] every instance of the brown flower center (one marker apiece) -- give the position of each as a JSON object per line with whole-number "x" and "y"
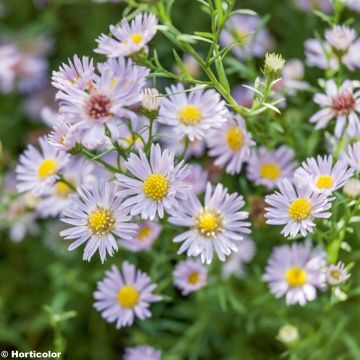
{"x": 344, "y": 103}
{"x": 98, "y": 106}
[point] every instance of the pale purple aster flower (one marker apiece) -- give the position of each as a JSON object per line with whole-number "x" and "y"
{"x": 246, "y": 30}
{"x": 145, "y": 236}
{"x": 189, "y": 276}
{"x": 340, "y": 37}
{"x": 309, "y": 5}
{"x": 197, "y": 178}
{"x": 268, "y": 168}
{"x": 321, "y": 175}
{"x": 336, "y": 274}
{"x": 192, "y": 114}
{"x": 125, "y": 295}
{"x": 230, "y": 145}
{"x": 156, "y": 185}
{"x": 216, "y": 226}
{"x": 340, "y": 103}
{"x": 130, "y": 38}
{"x": 352, "y": 156}
{"x": 142, "y": 352}
{"x": 319, "y": 54}
{"x": 296, "y": 208}
{"x": 242, "y": 96}
{"x": 9, "y": 56}
{"x": 353, "y": 5}
{"x": 96, "y": 216}
{"x": 64, "y": 135}
{"x": 296, "y": 271}
{"x": 38, "y": 170}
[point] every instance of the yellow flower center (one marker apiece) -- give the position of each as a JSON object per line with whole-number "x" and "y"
{"x": 143, "y": 233}
{"x": 335, "y": 274}
{"x": 101, "y": 221}
{"x": 47, "y": 168}
{"x": 242, "y": 37}
{"x": 131, "y": 140}
{"x": 190, "y": 115}
{"x": 235, "y": 138}
{"x": 209, "y": 223}
{"x": 325, "y": 182}
{"x": 270, "y": 171}
{"x": 295, "y": 277}
{"x": 128, "y": 296}
{"x": 62, "y": 189}
{"x": 136, "y": 38}
{"x": 300, "y": 209}
{"x": 156, "y": 187}
{"x": 193, "y": 277}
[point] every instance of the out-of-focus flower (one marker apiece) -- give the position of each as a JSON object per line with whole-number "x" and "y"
{"x": 142, "y": 352}
{"x": 288, "y": 334}
{"x": 352, "y": 188}
{"x": 309, "y": 5}
{"x": 352, "y": 156}
{"x": 123, "y": 296}
{"x": 189, "y": 276}
{"x": 296, "y": 271}
{"x": 197, "y": 178}
{"x": 191, "y": 65}
{"x": 215, "y": 226}
{"x": 353, "y": 5}
{"x": 336, "y": 274}
{"x": 242, "y": 96}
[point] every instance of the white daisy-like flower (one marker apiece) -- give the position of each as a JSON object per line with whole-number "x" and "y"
{"x": 130, "y": 38}
{"x": 38, "y": 170}
{"x": 189, "y": 276}
{"x": 142, "y": 352}
{"x": 96, "y": 216}
{"x": 216, "y": 226}
{"x": 352, "y": 188}
{"x": 340, "y": 103}
{"x": 230, "y": 145}
{"x": 296, "y": 271}
{"x": 296, "y": 208}
{"x": 125, "y": 295}
{"x": 321, "y": 175}
{"x": 268, "y": 168}
{"x": 352, "y": 156}
{"x": 156, "y": 185}
{"x": 192, "y": 114}
{"x": 336, "y": 274}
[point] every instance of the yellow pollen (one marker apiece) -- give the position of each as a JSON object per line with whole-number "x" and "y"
{"x": 156, "y": 187}
{"x": 325, "y": 182}
{"x": 101, "y": 221}
{"x": 143, "y": 233}
{"x": 300, "y": 209}
{"x": 190, "y": 115}
{"x": 235, "y": 138}
{"x": 335, "y": 274}
{"x": 209, "y": 223}
{"x": 47, "y": 168}
{"x": 75, "y": 80}
{"x": 128, "y": 296}
{"x": 131, "y": 140}
{"x": 193, "y": 277}
{"x": 136, "y": 38}
{"x": 113, "y": 83}
{"x": 270, "y": 171}
{"x": 62, "y": 189}
{"x": 295, "y": 277}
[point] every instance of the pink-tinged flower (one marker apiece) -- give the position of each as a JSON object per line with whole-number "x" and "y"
{"x": 125, "y": 295}
{"x": 142, "y": 352}
{"x": 341, "y": 103}
{"x": 130, "y": 38}
{"x": 216, "y": 226}
{"x": 353, "y": 156}
{"x": 268, "y": 168}
{"x": 319, "y": 54}
{"x": 336, "y": 274}
{"x": 296, "y": 271}
{"x": 296, "y": 208}
{"x": 189, "y": 276}
{"x": 197, "y": 178}
{"x": 155, "y": 185}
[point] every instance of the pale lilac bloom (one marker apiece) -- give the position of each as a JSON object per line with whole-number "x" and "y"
{"x": 64, "y": 135}
{"x": 352, "y": 156}
{"x": 142, "y": 352}
{"x": 296, "y": 208}
{"x": 319, "y": 54}
{"x": 296, "y": 271}
{"x": 9, "y": 56}
{"x": 353, "y": 5}
{"x": 340, "y": 37}
{"x": 341, "y": 103}
{"x": 197, "y": 178}
{"x": 336, "y": 274}
{"x": 309, "y": 5}
{"x": 122, "y": 296}
{"x": 38, "y": 170}
{"x": 192, "y": 114}
{"x": 321, "y": 175}
{"x": 189, "y": 276}
{"x": 268, "y": 168}
{"x": 96, "y": 216}
{"x": 230, "y": 145}
{"x": 242, "y": 95}
{"x": 155, "y": 185}
{"x": 217, "y": 226}
{"x": 130, "y": 37}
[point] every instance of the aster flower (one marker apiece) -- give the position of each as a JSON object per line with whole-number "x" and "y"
{"x": 130, "y": 38}
{"x": 189, "y": 276}
{"x": 95, "y": 216}
{"x": 192, "y": 114}
{"x": 296, "y": 272}
{"x": 296, "y": 208}
{"x": 125, "y": 295}
{"x": 197, "y": 178}
{"x": 353, "y": 5}
{"x": 64, "y": 136}
{"x": 353, "y": 156}
{"x": 352, "y": 188}
{"x": 145, "y": 236}
{"x": 150, "y": 99}
{"x": 230, "y": 145}
{"x": 319, "y": 54}
{"x": 340, "y": 103}
{"x": 268, "y": 168}
{"x": 156, "y": 185}
{"x": 336, "y": 274}
{"x": 142, "y": 352}
{"x": 38, "y": 170}
{"x": 340, "y": 37}
{"x": 9, "y": 57}
{"x": 215, "y": 226}
{"x": 309, "y": 5}
{"x": 321, "y": 175}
